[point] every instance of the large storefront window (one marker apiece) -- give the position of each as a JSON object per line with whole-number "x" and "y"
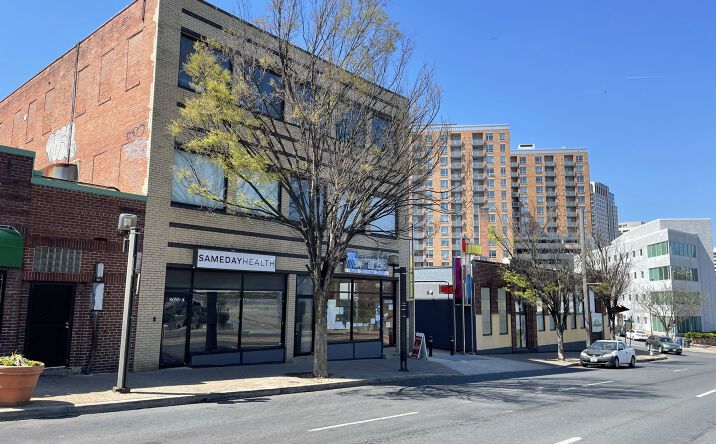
{"x": 216, "y": 317}
{"x": 358, "y": 311}
{"x": 339, "y": 315}
{"x": 262, "y": 319}
{"x": 233, "y": 317}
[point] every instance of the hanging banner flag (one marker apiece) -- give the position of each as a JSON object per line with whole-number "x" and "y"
{"x": 457, "y": 279}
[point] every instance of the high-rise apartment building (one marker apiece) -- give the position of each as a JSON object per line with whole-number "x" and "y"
{"x": 605, "y": 220}
{"x": 551, "y": 184}
{"x": 480, "y": 182}
{"x": 471, "y": 175}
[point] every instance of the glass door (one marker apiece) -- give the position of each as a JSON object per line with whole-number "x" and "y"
{"x": 388, "y": 322}
{"x": 303, "y": 329}
{"x": 174, "y": 329}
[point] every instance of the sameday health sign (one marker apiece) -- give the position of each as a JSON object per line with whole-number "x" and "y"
{"x": 234, "y": 260}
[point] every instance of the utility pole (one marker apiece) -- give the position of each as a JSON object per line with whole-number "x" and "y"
{"x": 585, "y": 287}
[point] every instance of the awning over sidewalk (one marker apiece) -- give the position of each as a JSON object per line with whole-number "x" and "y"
{"x": 11, "y": 246}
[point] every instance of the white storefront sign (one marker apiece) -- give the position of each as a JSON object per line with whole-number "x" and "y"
{"x": 597, "y": 323}
{"x": 234, "y": 260}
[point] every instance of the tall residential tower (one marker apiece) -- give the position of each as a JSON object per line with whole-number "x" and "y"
{"x": 605, "y": 220}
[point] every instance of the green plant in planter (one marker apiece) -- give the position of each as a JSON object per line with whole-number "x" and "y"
{"x": 18, "y": 360}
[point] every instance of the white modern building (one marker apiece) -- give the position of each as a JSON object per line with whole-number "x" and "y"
{"x": 605, "y": 220}
{"x": 671, "y": 253}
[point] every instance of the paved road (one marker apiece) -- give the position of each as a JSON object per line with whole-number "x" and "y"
{"x": 665, "y": 401}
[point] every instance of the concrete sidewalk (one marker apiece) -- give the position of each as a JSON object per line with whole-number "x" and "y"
{"x": 81, "y": 394}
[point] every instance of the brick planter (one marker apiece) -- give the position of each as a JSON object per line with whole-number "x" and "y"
{"x": 17, "y": 384}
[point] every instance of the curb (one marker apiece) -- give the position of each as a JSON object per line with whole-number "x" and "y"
{"x": 136, "y": 404}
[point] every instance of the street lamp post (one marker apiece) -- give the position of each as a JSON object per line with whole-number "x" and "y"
{"x": 127, "y": 224}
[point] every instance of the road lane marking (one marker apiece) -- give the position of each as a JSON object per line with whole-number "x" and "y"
{"x": 706, "y": 393}
{"x": 361, "y": 422}
{"x": 570, "y": 440}
{"x": 597, "y": 383}
{"x": 681, "y": 370}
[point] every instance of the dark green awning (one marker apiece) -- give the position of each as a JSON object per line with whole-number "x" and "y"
{"x": 10, "y": 247}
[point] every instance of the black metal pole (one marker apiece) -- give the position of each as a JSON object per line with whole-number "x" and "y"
{"x": 403, "y": 320}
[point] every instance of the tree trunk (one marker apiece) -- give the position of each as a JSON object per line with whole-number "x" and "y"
{"x": 320, "y": 336}
{"x": 612, "y": 324}
{"x": 560, "y": 344}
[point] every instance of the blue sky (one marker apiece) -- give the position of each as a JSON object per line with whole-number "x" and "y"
{"x": 632, "y": 81}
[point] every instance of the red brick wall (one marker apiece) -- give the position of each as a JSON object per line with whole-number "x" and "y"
{"x": 114, "y": 72}
{"x": 56, "y": 217}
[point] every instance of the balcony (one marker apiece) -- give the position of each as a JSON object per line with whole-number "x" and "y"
{"x": 549, "y": 173}
{"x": 479, "y": 200}
{"x": 572, "y": 225}
{"x": 456, "y": 154}
{"x": 479, "y": 188}
{"x": 515, "y": 184}
{"x": 478, "y": 154}
{"x": 455, "y": 142}
{"x": 456, "y": 176}
{"x": 550, "y": 194}
{"x": 514, "y": 174}
{"x": 478, "y": 165}
{"x": 514, "y": 165}
{"x": 570, "y": 194}
{"x": 457, "y": 223}
{"x": 549, "y": 164}
{"x": 478, "y": 142}
{"x": 568, "y": 163}
{"x": 571, "y": 214}
{"x": 456, "y": 165}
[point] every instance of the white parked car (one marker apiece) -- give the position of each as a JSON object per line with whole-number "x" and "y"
{"x": 637, "y": 335}
{"x": 612, "y": 353}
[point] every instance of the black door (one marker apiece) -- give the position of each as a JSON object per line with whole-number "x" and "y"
{"x": 48, "y": 323}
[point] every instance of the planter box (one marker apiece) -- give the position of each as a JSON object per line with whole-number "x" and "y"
{"x": 17, "y": 384}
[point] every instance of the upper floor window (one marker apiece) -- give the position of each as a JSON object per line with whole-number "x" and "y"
{"x": 503, "y": 147}
{"x": 523, "y": 160}
{"x": 197, "y": 180}
{"x": 186, "y": 48}
{"x": 580, "y": 159}
{"x": 490, "y": 136}
{"x": 502, "y": 136}
{"x": 538, "y": 159}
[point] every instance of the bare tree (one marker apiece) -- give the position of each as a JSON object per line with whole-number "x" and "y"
{"x": 322, "y": 106}
{"x": 608, "y": 267}
{"x": 669, "y": 305}
{"x": 540, "y": 270}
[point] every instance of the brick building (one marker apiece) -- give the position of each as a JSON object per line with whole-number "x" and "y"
{"x": 61, "y": 231}
{"x": 105, "y": 105}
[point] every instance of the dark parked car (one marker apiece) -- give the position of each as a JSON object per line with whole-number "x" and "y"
{"x": 662, "y": 344}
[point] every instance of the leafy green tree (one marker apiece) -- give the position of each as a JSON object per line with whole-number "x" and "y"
{"x": 324, "y": 106}
{"x": 540, "y": 270}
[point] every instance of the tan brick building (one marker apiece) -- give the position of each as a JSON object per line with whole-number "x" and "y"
{"x": 128, "y": 85}
{"x": 480, "y": 182}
